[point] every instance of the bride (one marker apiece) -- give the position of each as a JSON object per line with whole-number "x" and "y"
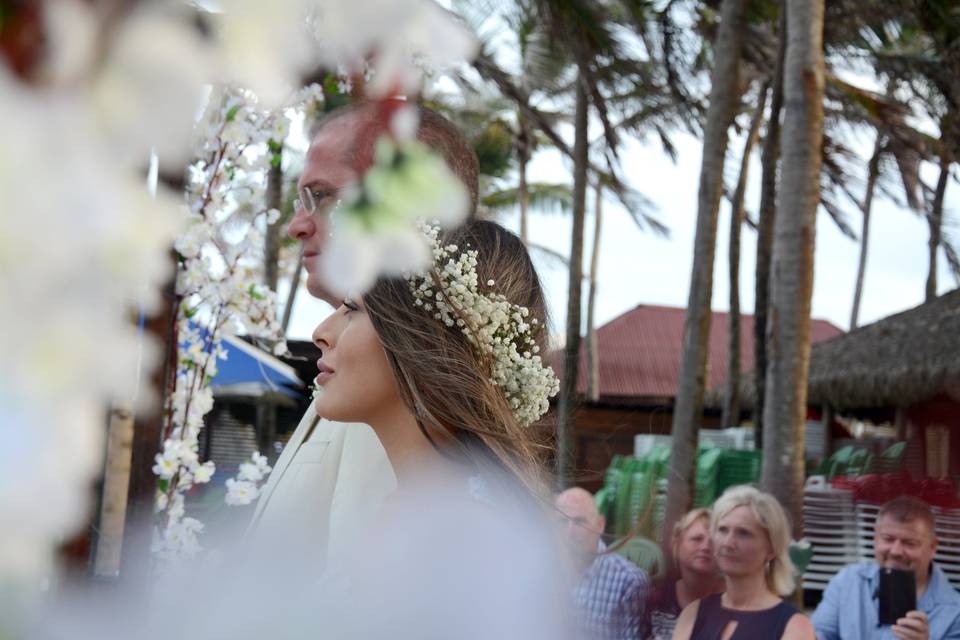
{"x": 446, "y": 367}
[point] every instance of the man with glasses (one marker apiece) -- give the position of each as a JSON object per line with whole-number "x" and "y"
{"x": 331, "y": 478}
{"x": 611, "y": 592}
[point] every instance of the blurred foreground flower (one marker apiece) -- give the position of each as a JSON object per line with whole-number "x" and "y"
{"x": 375, "y": 231}
{"x": 82, "y": 245}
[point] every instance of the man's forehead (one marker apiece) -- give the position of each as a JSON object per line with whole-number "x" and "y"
{"x": 915, "y": 527}
{"x": 329, "y": 159}
{"x": 576, "y": 505}
{"x": 337, "y": 152}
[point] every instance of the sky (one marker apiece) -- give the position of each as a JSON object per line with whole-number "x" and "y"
{"x": 639, "y": 267}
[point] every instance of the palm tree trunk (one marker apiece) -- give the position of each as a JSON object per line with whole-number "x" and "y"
{"x": 571, "y": 349}
{"x": 523, "y": 156}
{"x": 688, "y": 410}
{"x": 731, "y": 400}
{"x": 935, "y": 222}
{"x": 791, "y": 285}
{"x": 769, "y": 160}
{"x": 292, "y": 294}
{"x": 872, "y": 170}
{"x": 274, "y": 200}
{"x": 593, "y": 355}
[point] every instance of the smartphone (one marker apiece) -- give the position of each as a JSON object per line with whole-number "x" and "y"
{"x": 898, "y": 594}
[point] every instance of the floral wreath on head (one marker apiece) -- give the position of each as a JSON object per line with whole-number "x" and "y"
{"x": 498, "y": 328}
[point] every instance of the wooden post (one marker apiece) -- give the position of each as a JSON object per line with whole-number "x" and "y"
{"x": 827, "y": 421}
{"x": 147, "y": 436}
{"x": 116, "y": 485}
{"x": 900, "y": 423}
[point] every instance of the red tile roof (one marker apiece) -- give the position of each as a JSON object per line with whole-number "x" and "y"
{"x": 641, "y": 350}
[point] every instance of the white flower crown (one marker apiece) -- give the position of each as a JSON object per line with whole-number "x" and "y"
{"x": 491, "y": 323}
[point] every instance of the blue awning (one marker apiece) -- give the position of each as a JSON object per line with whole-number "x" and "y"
{"x": 248, "y": 367}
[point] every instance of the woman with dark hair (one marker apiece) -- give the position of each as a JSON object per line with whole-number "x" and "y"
{"x": 445, "y": 366}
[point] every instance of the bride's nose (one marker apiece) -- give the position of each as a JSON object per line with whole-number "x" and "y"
{"x": 323, "y": 335}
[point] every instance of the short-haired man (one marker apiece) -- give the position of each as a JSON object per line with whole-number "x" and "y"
{"x": 611, "y": 591}
{"x": 331, "y": 478}
{"x": 904, "y": 538}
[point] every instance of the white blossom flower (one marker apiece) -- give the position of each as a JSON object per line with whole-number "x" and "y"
{"x": 250, "y": 472}
{"x": 204, "y": 472}
{"x": 165, "y": 467}
{"x": 375, "y": 232}
{"x": 241, "y": 492}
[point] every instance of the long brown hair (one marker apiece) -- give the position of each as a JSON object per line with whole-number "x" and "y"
{"x": 444, "y": 380}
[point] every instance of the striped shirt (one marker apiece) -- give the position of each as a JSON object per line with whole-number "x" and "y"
{"x": 610, "y": 598}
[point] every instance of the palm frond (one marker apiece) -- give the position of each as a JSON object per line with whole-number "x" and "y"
{"x": 543, "y": 197}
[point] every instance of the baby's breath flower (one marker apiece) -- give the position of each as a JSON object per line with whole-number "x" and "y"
{"x": 490, "y": 322}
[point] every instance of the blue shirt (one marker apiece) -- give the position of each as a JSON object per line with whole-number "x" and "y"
{"x": 850, "y": 608}
{"x": 610, "y": 598}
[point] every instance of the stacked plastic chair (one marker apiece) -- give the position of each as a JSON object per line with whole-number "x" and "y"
{"x": 840, "y": 520}
{"x": 737, "y": 466}
{"x": 948, "y": 549}
{"x": 830, "y": 525}
{"x": 634, "y": 489}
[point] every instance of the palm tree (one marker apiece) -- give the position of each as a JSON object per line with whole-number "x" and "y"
{"x": 688, "y": 407}
{"x": 731, "y": 401}
{"x": 571, "y": 349}
{"x": 770, "y": 160}
{"x": 593, "y": 356}
{"x": 920, "y": 47}
{"x": 873, "y": 169}
{"x": 791, "y": 286}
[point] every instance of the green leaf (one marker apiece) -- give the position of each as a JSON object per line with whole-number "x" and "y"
{"x": 252, "y": 290}
{"x": 163, "y": 484}
{"x": 232, "y": 113}
{"x": 275, "y": 160}
{"x": 274, "y": 145}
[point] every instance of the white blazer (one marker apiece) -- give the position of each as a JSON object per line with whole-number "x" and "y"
{"x": 326, "y": 487}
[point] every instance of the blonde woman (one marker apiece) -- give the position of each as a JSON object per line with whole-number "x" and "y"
{"x": 698, "y": 576}
{"x": 751, "y": 538}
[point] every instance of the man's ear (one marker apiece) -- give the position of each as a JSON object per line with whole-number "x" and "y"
{"x": 602, "y": 522}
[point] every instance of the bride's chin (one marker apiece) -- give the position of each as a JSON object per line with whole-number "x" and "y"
{"x": 328, "y": 410}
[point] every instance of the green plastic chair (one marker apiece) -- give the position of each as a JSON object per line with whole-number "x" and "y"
{"x": 603, "y": 500}
{"x": 708, "y": 463}
{"x": 891, "y": 460}
{"x": 859, "y": 462}
{"x": 836, "y": 465}
{"x": 801, "y": 553}
{"x": 646, "y": 554}
{"x": 641, "y": 500}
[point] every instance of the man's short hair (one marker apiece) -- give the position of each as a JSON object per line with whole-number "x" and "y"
{"x": 907, "y": 509}
{"x": 434, "y": 130}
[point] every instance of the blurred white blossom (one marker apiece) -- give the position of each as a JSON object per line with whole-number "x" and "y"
{"x": 241, "y": 492}
{"x": 393, "y": 40}
{"x": 82, "y": 245}
{"x": 376, "y": 231}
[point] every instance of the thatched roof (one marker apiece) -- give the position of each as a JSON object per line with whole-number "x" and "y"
{"x": 896, "y": 361}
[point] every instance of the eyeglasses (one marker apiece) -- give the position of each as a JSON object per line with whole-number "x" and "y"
{"x": 312, "y": 199}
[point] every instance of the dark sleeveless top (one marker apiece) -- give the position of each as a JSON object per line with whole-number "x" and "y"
{"x": 712, "y": 618}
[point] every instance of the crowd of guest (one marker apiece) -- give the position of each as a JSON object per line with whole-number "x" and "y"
{"x": 732, "y": 577}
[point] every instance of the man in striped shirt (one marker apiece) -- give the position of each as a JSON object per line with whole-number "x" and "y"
{"x": 611, "y": 591}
